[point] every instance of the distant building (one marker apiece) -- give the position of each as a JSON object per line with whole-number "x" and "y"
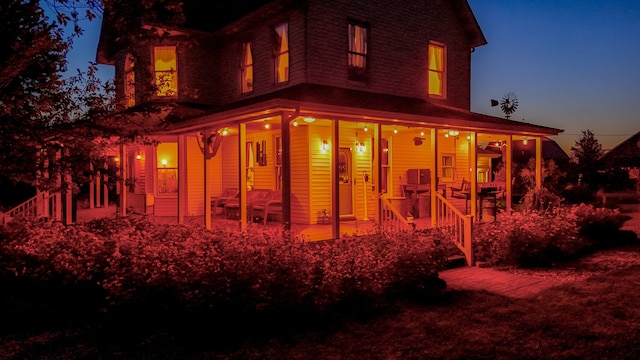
{"x": 625, "y": 155}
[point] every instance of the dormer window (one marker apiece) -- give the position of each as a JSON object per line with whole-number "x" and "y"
{"x": 166, "y": 71}
{"x": 357, "y": 52}
{"x": 437, "y": 70}
{"x": 246, "y": 69}
{"x": 281, "y": 53}
{"x": 129, "y": 81}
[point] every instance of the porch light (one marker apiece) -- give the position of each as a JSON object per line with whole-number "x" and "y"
{"x": 164, "y": 162}
{"x": 395, "y": 130}
{"x": 422, "y": 133}
{"x": 116, "y": 159}
{"x": 524, "y": 142}
{"x": 309, "y": 120}
{"x": 138, "y": 156}
{"x": 324, "y": 146}
{"x": 366, "y": 128}
{"x": 224, "y": 132}
{"x": 454, "y": 133}
{"x": 295, "y": 123}
{"x": 361, "y": 147}
{"x": 267, "y": 125}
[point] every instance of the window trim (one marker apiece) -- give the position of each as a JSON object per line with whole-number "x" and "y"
{"x": 357, "y": 73}
{"x": 278, "y": 54}
{"x": 244, "y": 67}
{"x": 443, "y": 71}
{"x": 155, "y": 72}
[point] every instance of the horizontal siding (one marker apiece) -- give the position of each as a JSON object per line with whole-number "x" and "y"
{"x": 300, "y": 176}
{"x": 195, "y": 178}
{"x": 229, "y": 154}
{"x": 405, "y": 155}
{"x": 165, "y": 206}
{"x": 264, "y": 176}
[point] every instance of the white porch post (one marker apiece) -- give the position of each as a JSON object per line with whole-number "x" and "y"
{"x": 473, "y": 169}
{"x": 378, "y": 176}
{"x": 508, "y": 162}
{"x": 123, "y": 180}
{"x": 434, "y": 176}
{"x": 242, "y": 173}
{"x": 538, "y": 163}
{"x": 207, "y": 188}
{"x": 182, "y": 178}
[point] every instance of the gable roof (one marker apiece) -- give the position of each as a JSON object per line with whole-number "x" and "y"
{"x": 625, "y": 154}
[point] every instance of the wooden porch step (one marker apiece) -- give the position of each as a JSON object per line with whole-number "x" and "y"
{"x": 455, "y": 261}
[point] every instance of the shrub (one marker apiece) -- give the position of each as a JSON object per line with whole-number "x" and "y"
{"x": 150, "y": 267}
{"x": 537, "y": 238}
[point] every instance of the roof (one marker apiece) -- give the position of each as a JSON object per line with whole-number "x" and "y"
{"x": 626, "y": 154}
{"x": 550, "y": 151}
{"x": 344, "y": 102}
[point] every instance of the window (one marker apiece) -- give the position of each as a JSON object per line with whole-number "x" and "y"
{"x": 166, "y": 70}
{"x": 167, "y": 154}
{"x": 129, "y": 81}
{"x": 246, "y": 68}
{"x": 385, "y": 166}
{"x": 447, "y": 167}
{"x": 437, "y": 71}
{"x": 357, "y": 52}
{"x": 281, "y": 53}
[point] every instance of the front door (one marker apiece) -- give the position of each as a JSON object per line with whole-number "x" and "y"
{"x": 345, "y": 176}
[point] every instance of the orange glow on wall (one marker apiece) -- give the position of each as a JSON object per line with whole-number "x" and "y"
{"x": 165, "y": 66}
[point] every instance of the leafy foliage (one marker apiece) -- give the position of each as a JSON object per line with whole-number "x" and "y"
{"x": 153, "y": 267}
{"x": 541, "y": 238}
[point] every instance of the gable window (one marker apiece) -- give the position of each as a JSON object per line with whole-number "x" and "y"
{"x": 447, "y": 166}
{"x": 246, "y": 68}
{"x": 357, "y": 52}
{"x": 437, "y": 70}
{"x": 129, "y": 82}
{"x": 281, "y": 53}
{"x": 166, "y": 70}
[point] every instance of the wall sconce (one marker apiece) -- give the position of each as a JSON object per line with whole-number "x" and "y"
{"x": 138, "y": 156}
{"x": 324, "y": 146}
{"x": 164, "y": 162}
{"x": 116, "y": 159}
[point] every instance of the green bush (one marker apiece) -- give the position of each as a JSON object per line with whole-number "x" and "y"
{"x": 536, "y": 238}
{"x": 155, "y": 267}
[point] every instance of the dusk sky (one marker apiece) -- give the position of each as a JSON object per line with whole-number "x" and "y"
{"x": 574, "y": 64}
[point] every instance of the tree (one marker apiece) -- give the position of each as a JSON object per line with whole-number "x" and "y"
{"x": 586, "y": 156}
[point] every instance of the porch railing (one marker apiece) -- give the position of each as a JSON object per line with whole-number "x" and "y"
{"x": 458, "y": 226}
{"x": 392, "y": 220}
{"x": 42, "y": 205}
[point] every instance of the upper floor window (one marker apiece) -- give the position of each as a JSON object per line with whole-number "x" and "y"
{"x": 437, "y": 70}
{"x": 357, "y": 52}
{"x": 129, "y": 81}
{"x": 166, "y": 70}
{"x": 246, "y": 68}
{"x": 281, "y": 53}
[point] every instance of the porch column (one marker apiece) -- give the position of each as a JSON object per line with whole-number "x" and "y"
{"x": 508, "y": 163}
{"x": 434, "y": 176}
{"x": 473, "y": 158}
{"x": 207, "y": 188}
{"x": 242, "y": 173}
{"x": 286, "y": 171}
{"x": 182, "y": 178}
{"x": 335, "y": 184}
{"x": 123, "y": 181}
{"x": 538, "y": 163}
{"x": 92, "y": 192}
{"x": 378, "y": 177}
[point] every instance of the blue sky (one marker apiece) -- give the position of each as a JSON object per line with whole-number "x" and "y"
{"x": 574, "y": 64}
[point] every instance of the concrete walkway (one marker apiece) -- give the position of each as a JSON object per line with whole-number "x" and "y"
{"x": 497, "y": 282}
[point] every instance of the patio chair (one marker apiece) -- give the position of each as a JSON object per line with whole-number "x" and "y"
{"x": 220, "y": 201}
{"x": 462, "y": 192}
{"x": 232, "y": 206}
{"x": 270, "y": 206}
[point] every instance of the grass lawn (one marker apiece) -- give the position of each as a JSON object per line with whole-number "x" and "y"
{"x": 592, "y": 317}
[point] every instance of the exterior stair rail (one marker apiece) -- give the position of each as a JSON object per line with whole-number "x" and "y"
{"x": 43, "y": 205}
{"x": 456, "y": 225}
{"x": 392, "y": 220}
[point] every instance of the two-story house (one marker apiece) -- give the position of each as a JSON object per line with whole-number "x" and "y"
{"x": 351, "y": 112}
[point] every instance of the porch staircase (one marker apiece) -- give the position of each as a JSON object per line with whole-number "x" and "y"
{"x": 43, "y": 205}
{"x": 458, "y": 227}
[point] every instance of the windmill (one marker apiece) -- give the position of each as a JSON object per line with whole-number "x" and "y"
{"x": 508, "y": 104}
